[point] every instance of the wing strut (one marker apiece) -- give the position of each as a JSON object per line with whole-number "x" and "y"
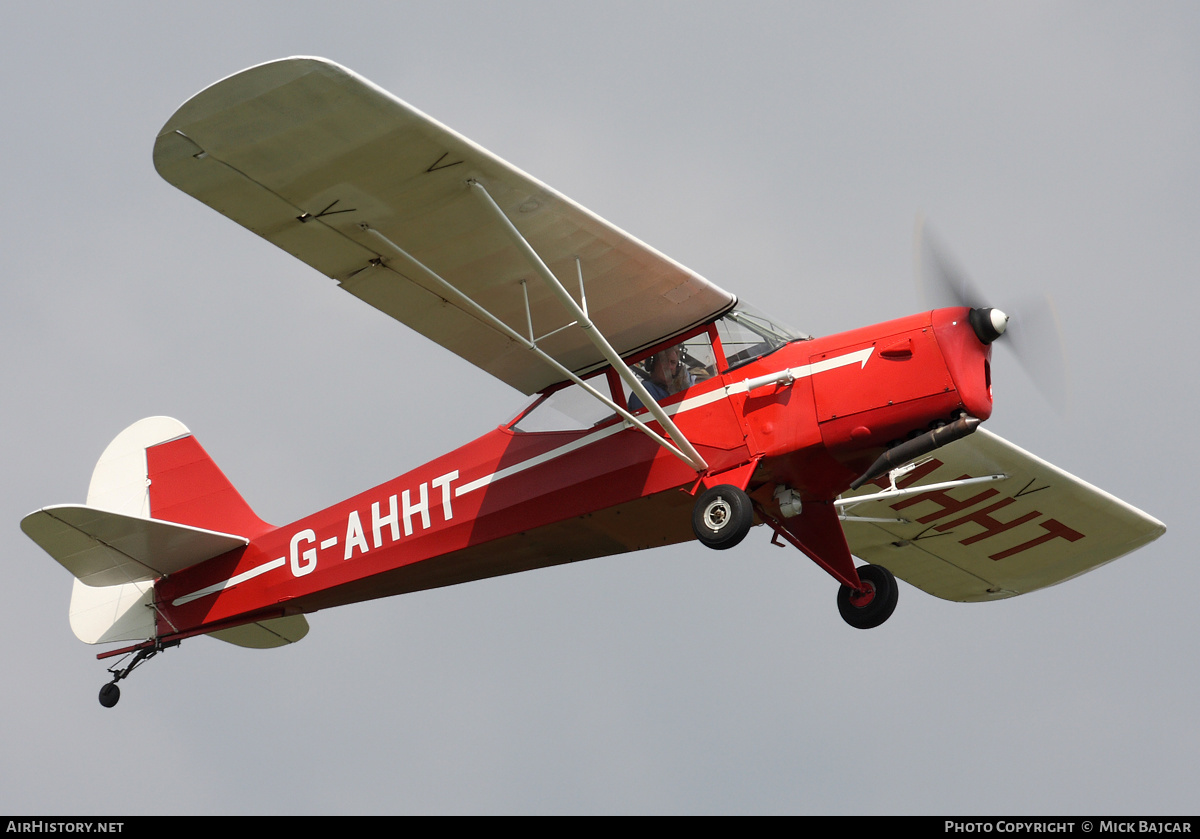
{"x": 689, "y": 453}
{"x": 686, "y": 452}
{"x": 895, "y": 492}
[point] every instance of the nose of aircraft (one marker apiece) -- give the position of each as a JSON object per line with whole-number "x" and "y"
{"x": 989, "y": 324}
{"x": 1032, "y": 333}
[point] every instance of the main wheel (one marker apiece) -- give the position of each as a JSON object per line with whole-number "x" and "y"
{"x": 868, "y": 609}
{"x": 109, "y": 694}
{"x": 722, "y": 517}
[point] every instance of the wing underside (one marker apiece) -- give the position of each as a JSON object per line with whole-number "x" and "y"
{"x": 378, "y": 196}
{"x": 1008, "y": 523}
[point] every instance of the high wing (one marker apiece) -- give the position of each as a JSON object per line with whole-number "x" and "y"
{"x": 378, "y": 196}
{"x": 1007, "y": 523}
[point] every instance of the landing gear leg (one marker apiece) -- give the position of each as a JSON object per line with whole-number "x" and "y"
{"x": 110, "y": 694}
{"x": 874, "y": 603}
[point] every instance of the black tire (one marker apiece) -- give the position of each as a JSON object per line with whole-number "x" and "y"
{"x": 867, "y": 612}
{"x": 110, "y": 694}
{"x": 722, "y": 517}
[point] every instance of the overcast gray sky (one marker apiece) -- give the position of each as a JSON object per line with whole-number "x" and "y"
{"x": 780, "y": 149}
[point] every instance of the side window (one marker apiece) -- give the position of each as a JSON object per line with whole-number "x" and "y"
{"x": 568, "y": 409}
{"x": 699, "y": 358}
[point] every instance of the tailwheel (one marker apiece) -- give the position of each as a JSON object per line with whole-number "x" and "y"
{"x": 722, "y": 517}
{"x": 110, "y": 694}
{"x": 872, "y": 605}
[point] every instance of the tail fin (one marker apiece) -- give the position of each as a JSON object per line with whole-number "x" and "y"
{"x": 154, "y": 469}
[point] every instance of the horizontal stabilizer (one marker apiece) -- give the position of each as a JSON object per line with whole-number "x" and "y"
{"x": 103, "y": 548}
{"x": 1026, "y": 526}
{"x": 265, "y": 635}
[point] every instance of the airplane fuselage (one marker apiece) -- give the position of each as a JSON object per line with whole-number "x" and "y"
{"x": 513, "y": 501}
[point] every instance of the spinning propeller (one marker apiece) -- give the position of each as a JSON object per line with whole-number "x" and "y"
{"x": 1030, "y": 330}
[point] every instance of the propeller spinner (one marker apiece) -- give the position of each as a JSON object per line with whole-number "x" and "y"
{"x": 1032, "y": 333}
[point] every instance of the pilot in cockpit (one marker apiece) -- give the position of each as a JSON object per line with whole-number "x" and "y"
{"x": 665, "y": 374}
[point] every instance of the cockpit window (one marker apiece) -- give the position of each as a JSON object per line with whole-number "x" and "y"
{"x": 673, "y": 369}
{"x": 747, "y": 334}
{"x": 568, "y": 409}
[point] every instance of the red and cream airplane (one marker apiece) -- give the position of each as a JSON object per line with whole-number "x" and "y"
{"x": 665, "y": 409}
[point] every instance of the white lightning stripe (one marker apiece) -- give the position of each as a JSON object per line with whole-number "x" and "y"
{"x": 859, "y": 357}
{"x": 463, "y": 489}
{"x": 232, "y": 581}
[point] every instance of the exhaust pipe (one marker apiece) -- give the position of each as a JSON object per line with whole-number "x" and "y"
{"x": 914, "y": 448}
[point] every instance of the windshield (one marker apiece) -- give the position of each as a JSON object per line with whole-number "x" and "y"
{"x": 748, "y": 334}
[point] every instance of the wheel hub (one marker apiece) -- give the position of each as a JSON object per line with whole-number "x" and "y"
{"x": 717, "y": 514}
{"x": 861, "y": 599}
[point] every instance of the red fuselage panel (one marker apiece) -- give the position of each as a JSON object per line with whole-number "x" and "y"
{"x": 511, "y": 501}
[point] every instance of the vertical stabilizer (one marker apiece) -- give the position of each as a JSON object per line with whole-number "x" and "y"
{"x": 187, "y": 487}
{"x": 153, "y": 469}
